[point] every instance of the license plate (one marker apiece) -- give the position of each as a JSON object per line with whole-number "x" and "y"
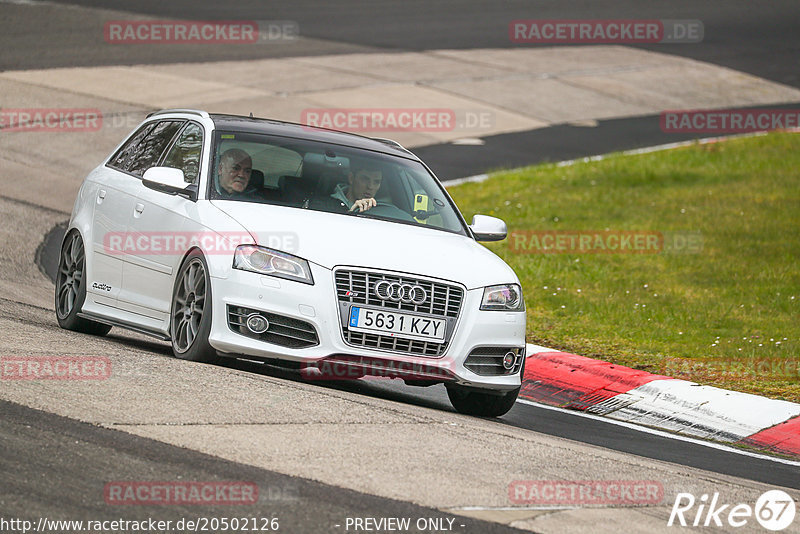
{"x": 396, "y": 324}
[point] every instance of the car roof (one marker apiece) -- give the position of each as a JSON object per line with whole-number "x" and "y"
{"x": 237, "y": 123}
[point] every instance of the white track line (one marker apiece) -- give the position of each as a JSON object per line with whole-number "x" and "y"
{"x": 663, "y": 434}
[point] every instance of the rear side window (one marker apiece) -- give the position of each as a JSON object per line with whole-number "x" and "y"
{"x": 123, "y": 154}
{"x": 144, "y": 149}
{"x": 185, "y": 153}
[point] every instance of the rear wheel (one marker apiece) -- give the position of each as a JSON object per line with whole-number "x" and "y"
{"x": 70, "y": 292}
{"x": 470, "y": 401}
{"x": 190, "y": 322}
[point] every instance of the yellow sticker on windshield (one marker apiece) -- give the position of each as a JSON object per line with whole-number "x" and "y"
{"x": 421, "y": 205}
{"x": 228, "y": 136}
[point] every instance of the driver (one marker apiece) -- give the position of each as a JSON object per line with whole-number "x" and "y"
{"x": 363, "y": 183}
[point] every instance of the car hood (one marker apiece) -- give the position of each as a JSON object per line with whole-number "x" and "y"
{"x": 330, "y": 240}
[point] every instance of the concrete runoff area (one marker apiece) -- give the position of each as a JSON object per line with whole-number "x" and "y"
{"x": 485, "y": 92}
{"x": 106, "y": 466}
{"x": 346, "y": 440}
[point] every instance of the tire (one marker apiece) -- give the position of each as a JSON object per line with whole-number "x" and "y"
{"x": 472, "y": 401}
{"x": 190, "y": 312}
{"x": 70, "y": 291}
{"x": 475, "y": 402}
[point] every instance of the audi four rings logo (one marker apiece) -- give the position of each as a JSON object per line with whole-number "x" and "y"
{"x": 397, "y": 292}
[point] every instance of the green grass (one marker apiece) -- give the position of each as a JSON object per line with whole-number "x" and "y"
{"x": 727, "y": 315}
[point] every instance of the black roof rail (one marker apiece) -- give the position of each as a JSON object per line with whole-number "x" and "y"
{"x": 201, "y": 113}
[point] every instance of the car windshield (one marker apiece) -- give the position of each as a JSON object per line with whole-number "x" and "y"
{"x": 327, "y": 177}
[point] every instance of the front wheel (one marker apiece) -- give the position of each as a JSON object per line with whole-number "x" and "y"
{"x": 471, "y": 401}
{"x": 70, "y": 293}
{"x": 190, "y": 318}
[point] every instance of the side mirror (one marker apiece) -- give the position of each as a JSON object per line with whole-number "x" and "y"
{"x": 169, "y": 180}
{"x": 488, "y": 228}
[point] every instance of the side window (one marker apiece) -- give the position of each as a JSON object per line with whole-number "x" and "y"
{"x": 123, "y": 154}
{"x": 140, "y": 156}
{"x": 147, "y": 153}
{"x": 185, "y": 153}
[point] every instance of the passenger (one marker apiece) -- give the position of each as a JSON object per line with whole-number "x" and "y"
{"x": 235, "y": 167}
{"x": 363, "y": 183}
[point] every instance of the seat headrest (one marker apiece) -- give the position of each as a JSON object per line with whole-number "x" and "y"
{"x": 296, "y": 189}
{"x": 329, "y": 180}
{"x": 256, "y": 180}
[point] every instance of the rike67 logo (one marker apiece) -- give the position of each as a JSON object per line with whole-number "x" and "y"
{"x": 774, "y": 510}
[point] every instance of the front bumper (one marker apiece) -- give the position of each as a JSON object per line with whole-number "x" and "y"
{"x": 317, "y": 305}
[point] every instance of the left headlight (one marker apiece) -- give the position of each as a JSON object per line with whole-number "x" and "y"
{"x": 263, "y": 260}
{"x": 505, "y": 297}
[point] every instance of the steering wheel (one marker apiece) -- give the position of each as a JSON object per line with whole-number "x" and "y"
{"x": 425, "y": 214}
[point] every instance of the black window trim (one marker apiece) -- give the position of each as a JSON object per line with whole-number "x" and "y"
{"x": 175, "y": 140}
{"x": 127, "y": 139}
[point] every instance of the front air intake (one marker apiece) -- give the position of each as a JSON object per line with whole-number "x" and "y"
{"x": 272, "y": 328}
{"x": 495, "y": 361}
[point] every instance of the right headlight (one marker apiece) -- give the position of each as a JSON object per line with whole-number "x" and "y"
{"x": 504, "y": 297}
{"x": 263, "y": 260}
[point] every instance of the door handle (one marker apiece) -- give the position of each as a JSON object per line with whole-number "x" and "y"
{"x": 101, "y": 195}
{"x": 139, "y": 208}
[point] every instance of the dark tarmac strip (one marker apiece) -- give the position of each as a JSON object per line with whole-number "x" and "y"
{"x": 554, "y": 144}
{"x": 57, "y": 468}
{"x": 593, "y": 431}
{"x": 755, "y": 36}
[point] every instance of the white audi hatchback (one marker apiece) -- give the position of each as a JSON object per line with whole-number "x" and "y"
{"x": 333, "y": 253}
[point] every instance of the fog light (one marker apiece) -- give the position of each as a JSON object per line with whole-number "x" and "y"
{"x": 257, "y": 324}
{"x": 509, "y": 359}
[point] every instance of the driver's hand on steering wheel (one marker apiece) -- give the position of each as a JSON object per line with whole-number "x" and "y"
{"x": 363, "y": 204}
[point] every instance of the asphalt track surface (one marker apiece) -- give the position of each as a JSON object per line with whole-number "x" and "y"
{"x": 66, "y": 476}
{"x": 757, "y": 37}
{"x": 576, "y": 428}
{"x": 557, "y": 143}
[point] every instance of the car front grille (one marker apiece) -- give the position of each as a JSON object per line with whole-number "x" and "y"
{"x": 355, "y": 287}
{"x": 488, "y": 361}
{"x": 283, "y": 331}
{"x": 443, "y": 300}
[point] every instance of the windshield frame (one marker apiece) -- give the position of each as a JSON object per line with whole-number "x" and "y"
{"x": 212, "y": 195}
